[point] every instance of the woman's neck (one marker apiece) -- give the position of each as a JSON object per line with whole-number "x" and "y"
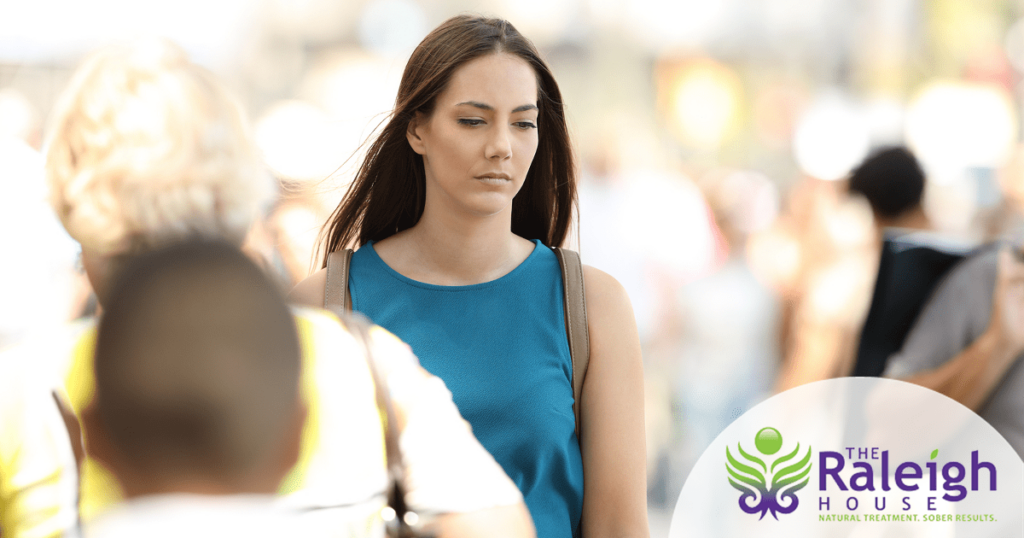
{"x": 453, "y": 250}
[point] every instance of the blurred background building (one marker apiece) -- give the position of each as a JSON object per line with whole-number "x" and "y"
{"x": 713, "y": 139}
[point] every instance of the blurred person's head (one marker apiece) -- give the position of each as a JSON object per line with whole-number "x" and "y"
{"x": 892, "y": 181}
{"x": 390, "y": 189}
{"x": 197, "y": 375}
{"x": 147, "y": 148}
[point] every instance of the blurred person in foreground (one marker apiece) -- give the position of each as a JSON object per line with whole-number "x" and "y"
{"x": 197, "y": 409}
{"x": 968, "y": 342}
{"x": 148, "y": 149}
{"x": 913, "y": 257}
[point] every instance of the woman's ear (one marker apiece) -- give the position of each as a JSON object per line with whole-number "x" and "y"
{"x": 413, "y": 133}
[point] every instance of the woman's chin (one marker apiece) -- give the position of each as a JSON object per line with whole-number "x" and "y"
{"x": 483, "y": 204}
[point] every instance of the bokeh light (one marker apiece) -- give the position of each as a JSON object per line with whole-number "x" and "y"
{"x": 953, "y": 126}
{"x": 832, "y": 136}
{"x": 18, "y": 118}
{"x": 300, "y": 141}
{"x": 667, "y": 217}
{"x": 703, "y": 97}
{"x": 546, "y": 22}
{"x": 681, "y": 23}
{"x": 1014, "y": 45}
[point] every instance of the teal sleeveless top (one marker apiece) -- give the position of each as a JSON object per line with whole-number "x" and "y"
{"x": 502, "y": 350}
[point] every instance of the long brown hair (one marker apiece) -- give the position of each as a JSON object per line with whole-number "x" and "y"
{"x": 387, "y": 195}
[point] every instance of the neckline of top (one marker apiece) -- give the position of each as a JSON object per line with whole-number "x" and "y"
{"x": 537, "y": 249}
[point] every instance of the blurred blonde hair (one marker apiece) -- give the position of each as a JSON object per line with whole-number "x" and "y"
{"x": 146, "y": 148}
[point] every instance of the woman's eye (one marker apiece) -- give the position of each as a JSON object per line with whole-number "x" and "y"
{"x": 525, "y": 125}
{"x": 470, "y": 121}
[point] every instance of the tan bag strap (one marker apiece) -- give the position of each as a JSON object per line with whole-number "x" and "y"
{"x": 575, "y": 323}
{"x": 336, "y": 289}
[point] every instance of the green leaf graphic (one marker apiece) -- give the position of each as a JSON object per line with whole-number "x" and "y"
{"x": 783, "y": 478}
{"x": 779, "y": 484}
{"x": 742, "y": 489}
{"x": 737, "y": 466}
{"x": 752, "y": 458}
{"x": 742, "y": 478}
{"x": 785, "y": 458}
{"x": 935, "y": 453}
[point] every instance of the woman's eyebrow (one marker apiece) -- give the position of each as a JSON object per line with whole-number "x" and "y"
{"x": 485, "y": 106}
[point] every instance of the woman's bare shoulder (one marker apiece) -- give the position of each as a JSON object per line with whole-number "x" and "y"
{"x": 610, "y": 319}
{"x": 605, "y": 296}
{"x": 310, "y": 292}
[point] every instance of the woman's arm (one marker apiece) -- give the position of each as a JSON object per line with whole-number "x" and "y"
{"x": 612, "y": 422}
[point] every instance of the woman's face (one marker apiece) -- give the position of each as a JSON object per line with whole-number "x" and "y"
{"x": 479, "y": 142}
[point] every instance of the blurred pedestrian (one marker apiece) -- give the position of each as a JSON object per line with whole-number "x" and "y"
{"x": 197, "y": 410}
{"x": 825, "y": 279}
{"x": 968, "y": 342}
{"x": 913, "y": 257}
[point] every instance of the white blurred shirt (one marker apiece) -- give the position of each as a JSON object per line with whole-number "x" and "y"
{"x": 196, "y": 516}
{"x": 37, "y": 273}
{"x": 38, "y": 477}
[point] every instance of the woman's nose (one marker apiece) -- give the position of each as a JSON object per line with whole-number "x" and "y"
{"x": 499, "y": 144}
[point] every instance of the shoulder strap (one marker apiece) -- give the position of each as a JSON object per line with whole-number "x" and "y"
{"x": 336, "y": 289}
{"x": 575, "y": 323}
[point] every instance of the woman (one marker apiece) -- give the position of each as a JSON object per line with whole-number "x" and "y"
{"x": 455, "y": 206}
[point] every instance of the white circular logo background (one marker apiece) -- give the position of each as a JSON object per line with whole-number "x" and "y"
{"x": 855, "y": 457}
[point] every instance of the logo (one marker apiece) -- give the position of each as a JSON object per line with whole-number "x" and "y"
{"x": 875, "y": 457}
{"x": 768, "y": 488}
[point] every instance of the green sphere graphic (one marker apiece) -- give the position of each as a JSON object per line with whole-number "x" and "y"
{"x": 768, "y": 441}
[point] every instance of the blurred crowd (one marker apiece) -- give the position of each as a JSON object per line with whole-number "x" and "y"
{"x": 717, "y": 141}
